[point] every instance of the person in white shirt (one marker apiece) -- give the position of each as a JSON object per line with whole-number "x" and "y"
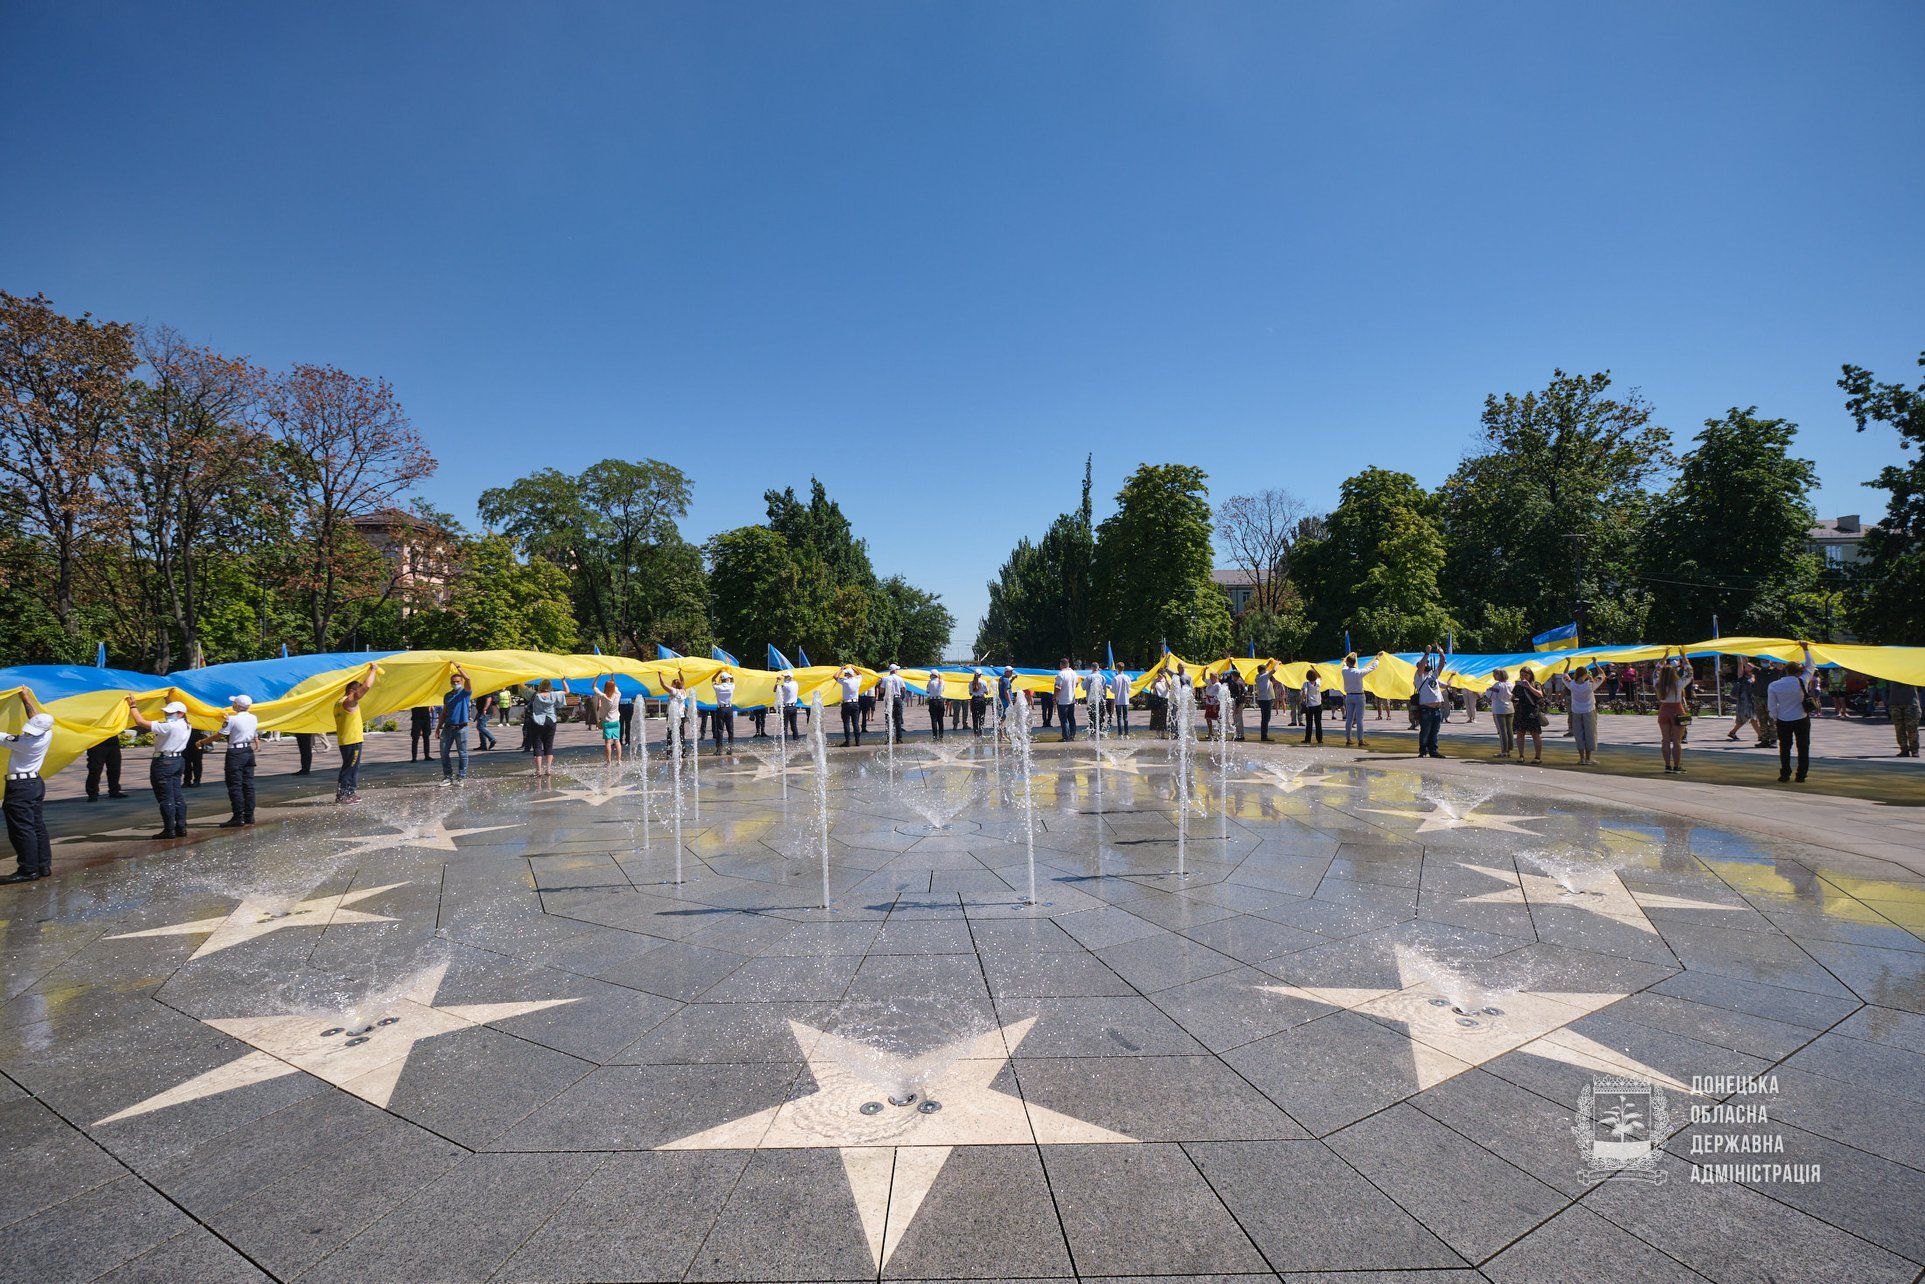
{"x": 850, "y": 687}
{"x": 27, "y": 793}
{"x": 167, "y": 770}
{"x": 788, "y": 695}
{"x": 1266, "y": 694}
{"x": 1785, "y": 702}
{"x": 895, "y": 694}
{"x": 1581, "y": 690}
{"x": 1120, "y": 701}
{"x": 1312, "y": 696}
{"x": 1096, "y": 690}
{"x": 1066, "y": 698}
{"x": 1160, "y": 703}
{"x": 933, "y": 690}
{"x": 1500, "y": 694}
{"x": 1353, "y": 699}
{"x": 723, "y": 718}
{"x": 241, "y": 731}
{"x": 978, "y": 702}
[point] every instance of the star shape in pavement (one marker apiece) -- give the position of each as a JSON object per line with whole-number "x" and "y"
{"x": 591, "y": 797}
{"x": 435, "y": 835}
{"x": 1445, "y": 1042}
{"x": 260, "y": 915}
{"x": 893, "y": 1154}
{"x": 364, "y": 1055}
{"x": 1599, "y": 891}
{"x": 1289, "y": 780}
{"x": 1122, "y": 762}
{"x": 797, "y": 765}
{"x": 1447, "y": 816}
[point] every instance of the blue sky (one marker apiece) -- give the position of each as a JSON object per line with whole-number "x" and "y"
{"x": 864, "y": 240}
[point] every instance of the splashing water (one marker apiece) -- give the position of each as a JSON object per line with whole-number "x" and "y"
{"x": 1574, "y": 875}
{"x": 819, "y": 752}
{"x": 1182, "y": 710}
{"x": 1019, "y": 738}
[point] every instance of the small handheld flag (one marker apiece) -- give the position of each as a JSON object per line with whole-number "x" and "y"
{"x": 1347, "y": 648}
{"x": 100, "y": 656}
{"x": 1562, "y": 638}
{"x": 802, "y": 656}
{"x": 1109, "y": 653}
{"x": 777, "y": 660}
{"x": 717, "y": 653}
{"x": 284, "y": 650}
{"x": 666, "y": 653}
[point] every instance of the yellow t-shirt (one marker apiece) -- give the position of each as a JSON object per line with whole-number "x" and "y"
{"x": 348, "y": 728}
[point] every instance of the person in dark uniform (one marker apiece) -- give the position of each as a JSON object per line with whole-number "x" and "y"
{"x": 241, "y": 731}
{"x": 421, "y": 733}
{"x": 171, "y": 736}
{"x": 304, "y": 741}
{"x": 104, "y": 759}
{"x": 193, "y": 759}
{"x": 26, "y": 793}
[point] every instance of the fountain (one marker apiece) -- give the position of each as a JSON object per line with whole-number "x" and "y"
{"x": 1573, "y": 877}
{"x": 819, "y": 752}
{"x": 1019, "y": 736}
{"x": 692, "y": 736}
{"x": 1223, "y": 764}
{"x": 1096, "y": 741}
{"x": 1461, "y": 1000}
{"x": 677, "y": 731}
{"x": 782, "y": 747}
{"x": 1182, "y": 702}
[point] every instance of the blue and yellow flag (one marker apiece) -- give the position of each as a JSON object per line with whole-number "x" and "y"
{"x": 1562, "y": 638}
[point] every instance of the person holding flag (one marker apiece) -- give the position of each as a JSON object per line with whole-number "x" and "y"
{"x": 1119, "y": 699}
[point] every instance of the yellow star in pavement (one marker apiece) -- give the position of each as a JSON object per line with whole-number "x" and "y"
{"x": 362, "y": 1054}
{"x": 892, "y": 1153}
{"x": 1290, "y": 779}
{"x": 591, "y": 797}
{"x": 259, "y": 916}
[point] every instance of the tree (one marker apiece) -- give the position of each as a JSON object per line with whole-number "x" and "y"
{"x": 1256, "y": 532}
{"x": 498, "y": 602}
{"x": 1042, "y": 604}
{"x": 1728, "y": 539}
{"x": 1890, "y": 601}
{"x": 191, "y": 455}
{"x": 348, "y": 450}
{"x": 1281, "y": 629}
{"x": 754, "y": 578}
{"x": 1374, "y": 572}
{"x": 919, "y": 622}
{"x": 1153, "y": 563}
{"x": 1545, "y": 517}
{"x": 63, "y": 395}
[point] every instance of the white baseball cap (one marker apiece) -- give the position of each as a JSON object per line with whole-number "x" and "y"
{"x": 173, "y": 706}
{"x": 40, "y": 722}
{"x": 241, "y": 701}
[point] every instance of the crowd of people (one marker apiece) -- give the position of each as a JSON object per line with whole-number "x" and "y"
{"x": 1775, "y": 702}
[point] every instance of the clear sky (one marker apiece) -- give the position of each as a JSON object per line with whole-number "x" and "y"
{"x": 935, "y": 253}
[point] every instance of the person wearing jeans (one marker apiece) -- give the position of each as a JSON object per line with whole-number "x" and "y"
{"x": 457, "y": 709}
{"x": 1788, "y": 701}
{"x": 1429, "y": 699}
{"x": 1353, "y": 699}
{"x": 1500, "y": 693}
{"x": 1065, "y": 699}
{"x": 1581, "y": 687}
{"x": 1312, "y": 708}
{"x": 1120, "y": 694}
{"x": 1266, "y": 693}
{"x": 484, "y": 738}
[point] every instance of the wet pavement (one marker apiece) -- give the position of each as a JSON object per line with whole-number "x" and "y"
{"x": 1465, "y": 1022}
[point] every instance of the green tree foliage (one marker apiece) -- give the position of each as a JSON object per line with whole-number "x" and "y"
{"x": 496, "y": 601}
{"x": 1729, "y": 537}
{"x": 1374, "y": 570}
{"x": 805, "y": 580}
{"x": 1042, "y": 603}
{"x": 1548, "y": 509}
{"x": 1281, "y": 630}
{"x": 614, "y": 528}
{"x": 1890, "y": 598}
{"x": 1152, "y": 568}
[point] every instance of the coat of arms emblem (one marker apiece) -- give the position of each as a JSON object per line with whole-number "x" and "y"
{"x": 1618, "y": 1127}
